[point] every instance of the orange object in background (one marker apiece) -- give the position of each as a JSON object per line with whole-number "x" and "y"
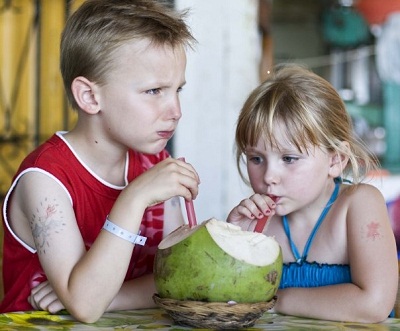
{"x": 377, "y": 11}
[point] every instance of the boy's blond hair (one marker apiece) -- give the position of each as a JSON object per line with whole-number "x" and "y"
{"x": 98, "y": 27}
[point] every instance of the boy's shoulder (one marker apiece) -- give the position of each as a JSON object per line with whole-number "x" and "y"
{"x": 49, "y": 151}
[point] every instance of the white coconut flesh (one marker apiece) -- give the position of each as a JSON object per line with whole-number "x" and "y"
{"x": 251, "y": 247}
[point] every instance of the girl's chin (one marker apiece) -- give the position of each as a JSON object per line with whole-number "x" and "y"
{"x": 280, "y": 211}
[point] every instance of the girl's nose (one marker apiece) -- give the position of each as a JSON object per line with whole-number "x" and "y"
{"x": 271, "y": 176}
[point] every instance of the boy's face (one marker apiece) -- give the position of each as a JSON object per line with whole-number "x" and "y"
{"x": 139, "y": 102}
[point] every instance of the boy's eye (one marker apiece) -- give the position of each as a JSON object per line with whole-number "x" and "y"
{"x": 179, "y": 89}
{"x": 153, "y": 91}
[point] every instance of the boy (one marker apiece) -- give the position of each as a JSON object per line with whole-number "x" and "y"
{"x": 77, "y": 202}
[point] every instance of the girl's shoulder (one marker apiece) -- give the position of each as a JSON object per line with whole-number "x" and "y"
{"x": 363, "y": 191}
{"x": 362, "y": 202}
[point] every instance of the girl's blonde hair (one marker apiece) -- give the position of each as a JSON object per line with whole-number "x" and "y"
{"x": 312, "y": 114}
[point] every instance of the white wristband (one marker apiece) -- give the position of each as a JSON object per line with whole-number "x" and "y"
{"x": 120, "y": 232}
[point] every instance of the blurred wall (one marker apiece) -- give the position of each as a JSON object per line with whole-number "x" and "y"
{"x": 221, "y": 72}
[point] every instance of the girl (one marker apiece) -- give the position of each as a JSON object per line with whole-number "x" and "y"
{"x": 339, "y": 252}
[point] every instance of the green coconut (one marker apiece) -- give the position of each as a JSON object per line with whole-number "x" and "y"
{"x": 217, "y": 262}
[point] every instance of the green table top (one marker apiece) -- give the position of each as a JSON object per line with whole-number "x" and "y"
{"x": 158, "y": 319}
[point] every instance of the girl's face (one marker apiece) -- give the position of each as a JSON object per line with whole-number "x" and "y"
{"x": 140, "y": 101}
{"x": 295, "y": 180}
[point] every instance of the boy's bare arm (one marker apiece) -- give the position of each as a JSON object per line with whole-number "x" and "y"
{"x": 77, "y": 276}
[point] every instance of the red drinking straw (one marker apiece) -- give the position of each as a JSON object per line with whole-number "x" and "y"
{"x": 189, "y": 207}
{"x": 261, "y": 224}
{"x": 190, "y": 213}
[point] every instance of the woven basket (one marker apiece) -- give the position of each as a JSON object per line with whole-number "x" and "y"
{"x": 213, "y": 315}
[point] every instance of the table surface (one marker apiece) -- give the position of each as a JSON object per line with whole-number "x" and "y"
{"x": 158, "y": 319}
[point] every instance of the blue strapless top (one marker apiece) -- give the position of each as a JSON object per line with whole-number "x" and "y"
{"x": 314, "y": 274}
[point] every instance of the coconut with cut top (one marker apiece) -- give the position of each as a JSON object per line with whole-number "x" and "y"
{"x": 218, "y": 262}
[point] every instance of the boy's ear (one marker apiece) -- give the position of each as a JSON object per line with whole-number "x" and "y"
{"x": 338, "y": 161}
{"x": 84, "y": 94}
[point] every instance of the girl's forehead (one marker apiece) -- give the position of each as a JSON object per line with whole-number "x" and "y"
{"x": 278, "y": 137}
{"x": 265, "y": 143}
{"x": 281, "y": 143}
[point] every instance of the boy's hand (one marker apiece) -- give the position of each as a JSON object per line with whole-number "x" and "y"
{"x": 43, "y": 297}
{"x": 165, "y": 180}
{"x": 250, "y": 210}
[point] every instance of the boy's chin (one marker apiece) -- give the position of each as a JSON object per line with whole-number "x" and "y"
{"x": 155, "y": 149}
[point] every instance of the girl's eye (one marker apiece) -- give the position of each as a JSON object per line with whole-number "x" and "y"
{"x": 254, "y": 159}
{"x": 289, "y": 159}
{"x": 179, "y": 89}
{"x": 153, "y": 91}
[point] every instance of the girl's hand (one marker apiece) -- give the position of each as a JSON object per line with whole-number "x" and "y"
{"x": 250, "y": 210}
{"x": 43, "y": 297}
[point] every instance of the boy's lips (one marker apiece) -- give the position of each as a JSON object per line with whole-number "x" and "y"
{"x": 166, "y": 134}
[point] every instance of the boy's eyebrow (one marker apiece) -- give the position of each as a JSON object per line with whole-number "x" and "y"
{"x": 165, "y": 83}
{"x": 161, "y": 84}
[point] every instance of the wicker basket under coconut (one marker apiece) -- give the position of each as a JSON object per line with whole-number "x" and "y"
{"x": 214, "y": 275}
{"x": 214, "y": 315}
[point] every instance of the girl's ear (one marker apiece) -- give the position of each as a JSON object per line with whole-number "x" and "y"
{"x": 339, "y": 161}
{"x": 84, "y": 94}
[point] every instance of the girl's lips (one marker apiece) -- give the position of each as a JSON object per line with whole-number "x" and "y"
{"x": 274, "y": 198}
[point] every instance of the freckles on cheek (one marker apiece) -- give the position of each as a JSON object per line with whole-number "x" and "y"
{"x": 300, "y": 191}
{"x": 256, "y": 175}
{"x": 254, "y": 178}
{"x": 255, "y": 184}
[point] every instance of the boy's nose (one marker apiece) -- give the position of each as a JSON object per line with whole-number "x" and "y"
{"x": 175, "y": 109}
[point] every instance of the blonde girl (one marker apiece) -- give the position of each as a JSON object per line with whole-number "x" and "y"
{"x": 297, "y": 143}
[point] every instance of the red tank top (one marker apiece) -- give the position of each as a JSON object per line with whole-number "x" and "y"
{"x": 92, "y": 200}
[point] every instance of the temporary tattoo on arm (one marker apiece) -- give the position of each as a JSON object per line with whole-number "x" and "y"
{"x": 47, "y": 220}
{"x": 373, "y": 230}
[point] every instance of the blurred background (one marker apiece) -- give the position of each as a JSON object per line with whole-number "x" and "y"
{"x": 353, "y": 44}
